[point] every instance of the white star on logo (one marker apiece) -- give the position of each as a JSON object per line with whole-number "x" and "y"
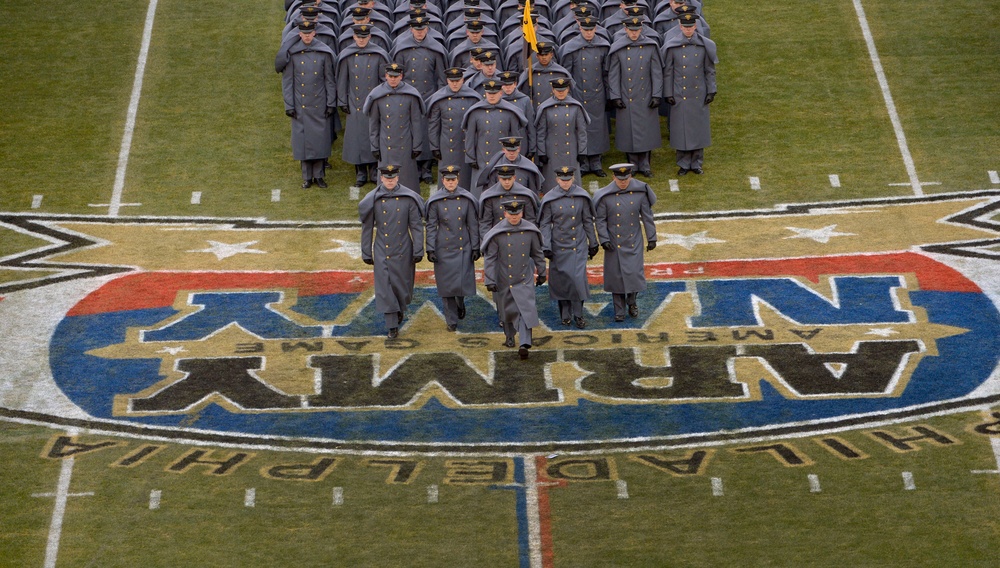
{"x": 172, "y": 350}
{"x": 882, "y": 331}
{"x": 690, "y": 241}
{"x": 352, "y": 250}
{"x": 819, "y": 235}
{"x": 226, "y": 250}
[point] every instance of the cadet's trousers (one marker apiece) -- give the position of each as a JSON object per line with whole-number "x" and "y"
{"x": 591, "y": 163}
{"x": 312, "y": 169}
{"x": 451, "y": 309}
{"x": 569, "y": 309}
{"x": 523, "y": 331}
{"x": 690, "y": 159}
{"x": 622, "y": 302}
{"x": 640, "y": 160}
{"x": 392, "y": 319}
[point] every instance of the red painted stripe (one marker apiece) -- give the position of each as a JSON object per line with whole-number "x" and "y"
{"x": 159, "y": 289}
{"x": 930, "y": 274}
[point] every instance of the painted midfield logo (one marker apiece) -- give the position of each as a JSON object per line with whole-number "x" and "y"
{"x": 799, "y": 335}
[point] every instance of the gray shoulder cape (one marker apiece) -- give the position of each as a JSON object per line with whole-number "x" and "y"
{"x": 442, "y": 193}
{"x": 623, "y": 42}
{"x": 288, "y": 47}
{"x": 574, "y": 191}
{"x": 505, "y": 227}
{"x": 634, "y": 185}
{"x": 502, "y": 104}
{"x": 383, "y": 89}
{"x": 367, "y": 205}
{"x": 445, "y": 92}
{"x": 551, "y": 101}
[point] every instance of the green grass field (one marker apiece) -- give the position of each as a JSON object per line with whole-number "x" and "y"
{"x": 859, "y": 513}
{"x": 798, "y": 101}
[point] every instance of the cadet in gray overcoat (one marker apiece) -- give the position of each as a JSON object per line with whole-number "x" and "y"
{"x": 508, "y": 86}
{"x": 506, "y": 187}
{"x": 568, "y": 241}
{"x": 423, "y": 60}
{"x": 491, "y": 211}
{"x": 561, "y": 127}
{"x": 397, "y": 125}
{"x": 542, "y": 71}
{"x": 445, "y": 110}
{"x": 485, "y": 124}
{"x": 526, "y": 172}
{"x": 689, "y": 87}
{"x": 453, "y": 243}
{"x": 310, "y": 93}
{"x": 622, "y": 210}
{"x": 635, "y": 85}
{"x": 358, "y": 73}
{"x": 585, "y": 57}
{"x": 392, "y": 240}
{"x": 512, "y": 253}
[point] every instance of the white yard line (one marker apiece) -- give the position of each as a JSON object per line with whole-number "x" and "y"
{"x": 55, "y": 528}
{"x": 814, "y": 486}
{"x": 622, "y": 487}
{"x": 250, "y": 497}
{"x": 154, "y": 499}
{"x": 133, "y": 109}
{"x": 908, "y": 483}
{"x": 995, "y": 444}
{"x": 897, "y": 125}
{"x": 534, "y": 522}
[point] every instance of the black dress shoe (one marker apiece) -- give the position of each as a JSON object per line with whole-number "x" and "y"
{"x": 452, "y": 327}
{"x": 522, "y": 351}
{"x": 698, "y": 171}
{"x": 633, "y": 310}
{"x": 307, "y": 184}
{"x": 567, "y": 321}
{"x": 399, "y": 317}
{"x": 682, "y": 172}
{"x": 580, "y": 322}
{"x": 321, "y": 183}
{"x": 647, "y": 173}
{"x": 461, "y": 308}
{"x": 393, "y": 332}
{"x": 619, "y": 318}
{"x": 509, "y": 342}
{"x": 599, "y": 173}
{"x": 426, "y": 179}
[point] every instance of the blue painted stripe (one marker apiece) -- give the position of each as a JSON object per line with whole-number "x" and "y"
{"x": 523, "y": 533}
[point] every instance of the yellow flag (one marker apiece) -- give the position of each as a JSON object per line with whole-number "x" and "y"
{"x": 529, "y": 27}
{"x": 530, "y": 39}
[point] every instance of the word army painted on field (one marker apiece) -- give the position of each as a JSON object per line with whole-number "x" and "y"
{"x": 280, "y": 349}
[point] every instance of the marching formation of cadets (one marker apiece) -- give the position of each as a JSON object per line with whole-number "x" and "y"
{"x": 441, "y": 83}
